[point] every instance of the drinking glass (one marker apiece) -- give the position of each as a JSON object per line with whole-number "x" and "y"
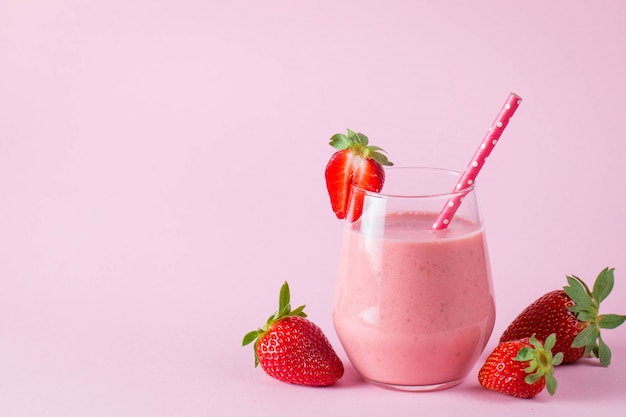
{"x": 413, "y": 306}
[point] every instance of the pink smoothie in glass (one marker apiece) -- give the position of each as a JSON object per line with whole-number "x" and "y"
{"x": 413, "y": 306}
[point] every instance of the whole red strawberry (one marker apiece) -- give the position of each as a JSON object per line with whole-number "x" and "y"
{"x": 521, "y": 368}
{"x": 573, "y": 315}
{"x": 293, "y": 349}
{"x": 355, "y": 164}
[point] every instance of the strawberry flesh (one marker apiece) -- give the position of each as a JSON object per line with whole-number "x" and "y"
{"x": 344, "y": 172}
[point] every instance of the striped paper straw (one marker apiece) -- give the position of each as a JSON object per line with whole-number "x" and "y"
{"x": 478, "y": 161}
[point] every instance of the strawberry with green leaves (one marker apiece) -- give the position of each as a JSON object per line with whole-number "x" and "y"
{"x": 573, "y": 315}
{"x": 354, "y": 164}
{"x": 293, "y": 349}
{"x": 521, "y": 368}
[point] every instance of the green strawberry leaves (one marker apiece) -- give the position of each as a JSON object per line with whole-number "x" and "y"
{"x": 358, "y": 144}
{"x": 603, "y": 285}
{"x": 586, "y": 308}
{"x": 610, "y": 321}
{"x": 541, "y": 363}
{"x": 284, "y": 306}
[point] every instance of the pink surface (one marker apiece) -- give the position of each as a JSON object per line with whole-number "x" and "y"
{"x": 161, "y": 174}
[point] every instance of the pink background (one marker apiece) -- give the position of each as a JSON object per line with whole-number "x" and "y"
{"x": 161, "y": 174}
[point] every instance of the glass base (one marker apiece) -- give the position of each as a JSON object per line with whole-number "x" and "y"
{"x": 416, "y": 388}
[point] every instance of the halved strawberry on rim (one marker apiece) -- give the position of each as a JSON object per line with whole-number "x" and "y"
{"x": 354, "y": 164}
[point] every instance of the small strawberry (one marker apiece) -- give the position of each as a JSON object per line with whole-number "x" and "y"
{"x": 521, "y": 368}
{"x": 354, "y": 164}
{"x": 571, "y": 313}
{"x": 293, "y": 349}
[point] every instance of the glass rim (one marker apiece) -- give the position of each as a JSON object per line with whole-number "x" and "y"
{"x": 451, "y": 172}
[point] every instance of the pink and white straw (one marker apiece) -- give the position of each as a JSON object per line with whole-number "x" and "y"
{"x": 478, "y": 161}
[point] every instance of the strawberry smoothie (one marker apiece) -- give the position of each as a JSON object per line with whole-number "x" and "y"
{"x": 414, "y": 307}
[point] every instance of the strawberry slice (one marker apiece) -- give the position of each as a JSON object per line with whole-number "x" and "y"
{"x": 355, "y": 164}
